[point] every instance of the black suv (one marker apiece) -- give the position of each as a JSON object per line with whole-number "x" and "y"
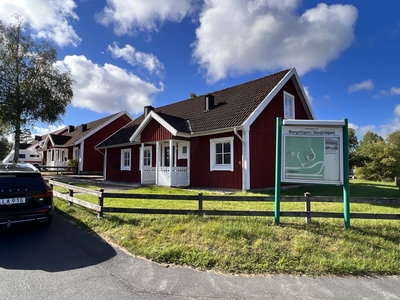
{"x": 24, "y": 195}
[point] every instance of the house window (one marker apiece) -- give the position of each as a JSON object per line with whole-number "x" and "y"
{"x": 75, "y": 153}
{"x": 147, "y": 154}
{"x": 288, "y": 105}
{"x": 182, "y": 150}
{"x": 165, "y": 161}
{"x": 221, "y": 154}
{"x": 126, "y": 159}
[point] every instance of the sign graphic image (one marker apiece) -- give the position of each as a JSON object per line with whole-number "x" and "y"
{"x": 311, "y": 155}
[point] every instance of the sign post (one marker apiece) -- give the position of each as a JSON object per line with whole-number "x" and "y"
{"x": 346, "y": 185}
{"x": 312, "y": 151}
{"x": 277, "y": 210}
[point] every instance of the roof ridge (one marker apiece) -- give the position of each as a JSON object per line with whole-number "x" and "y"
{"x": 227, "y": 88}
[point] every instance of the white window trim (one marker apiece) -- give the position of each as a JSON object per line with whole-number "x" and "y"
{"x": 213, "y": 165}
{"x": 290, "y": 96}
{"x": 180, "y": 150}
{"x": 75, "y": 153}
{"x": 123, "y": 167}
{"x": 142, "y": 158}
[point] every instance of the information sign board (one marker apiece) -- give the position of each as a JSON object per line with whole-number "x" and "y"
{"x": 312, "y": 154}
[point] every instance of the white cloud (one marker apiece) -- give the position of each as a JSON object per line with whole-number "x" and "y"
{"x": 107, "y": 88}
{"x": 390, "y": 127}
{"x": 136, "y": 58}
{"x": 364, "y": 85}
{"x": 46, "y": 130}
{"x": 46, "y": 19}
{"x": 238, "y": 36}
{"x": 397, "y": 110}
{"x": 128, "y": 17}
{"x": 310, "y": 98}
{"x": 394, "y": 91}
{"x": 361, "y": 130}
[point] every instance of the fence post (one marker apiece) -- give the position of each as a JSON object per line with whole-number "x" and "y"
{"x": 307, "y": 206}
{"x": 200, "y": 203}
{"x": 71, "y": 193}
{"x": 100, "y": 202}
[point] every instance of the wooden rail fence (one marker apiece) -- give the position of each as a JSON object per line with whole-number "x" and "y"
{"x": 200, "y": 198}
{"x": 54, "y": 169}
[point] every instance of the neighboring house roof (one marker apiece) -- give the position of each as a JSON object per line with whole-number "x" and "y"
{"x": 232, "y": 107}
{"x": 81, "y": 132}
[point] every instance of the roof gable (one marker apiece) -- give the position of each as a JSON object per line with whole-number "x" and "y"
{"x": 235, "y": 106}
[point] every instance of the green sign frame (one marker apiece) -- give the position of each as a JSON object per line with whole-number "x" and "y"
{"x": 312, "y": 151}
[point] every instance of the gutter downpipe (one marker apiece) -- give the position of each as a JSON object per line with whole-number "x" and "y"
{"x": 244, "y": 162}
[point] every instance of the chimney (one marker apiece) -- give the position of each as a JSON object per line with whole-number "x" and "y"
{"x": 71, "y": 128}
{"x": 147, "y": 110}
{"x": 209, "y": 102}
{"x": 38, "y": 138}
{"x": 84, "y": 127}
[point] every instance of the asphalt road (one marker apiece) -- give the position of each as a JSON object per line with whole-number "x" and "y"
{"x": 69, "y": 262}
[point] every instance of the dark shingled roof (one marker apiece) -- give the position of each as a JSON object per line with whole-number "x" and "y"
{"x": 68, "y": 139}
{"x": 232, "y": 106}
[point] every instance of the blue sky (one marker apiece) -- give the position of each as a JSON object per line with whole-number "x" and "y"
{"x": 126, "y": 54}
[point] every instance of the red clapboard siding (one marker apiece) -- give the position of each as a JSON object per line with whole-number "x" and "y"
{"x": 93, "y": 160}
{"x": 201, "y": 176}
{"x": 263, "y": 140}
{"x": 155, "y": 132}
{"x": 114, "y": 172}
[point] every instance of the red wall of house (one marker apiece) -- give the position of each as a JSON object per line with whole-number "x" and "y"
{"x": 155, "y": 132}
{"x": 114, "y": 172}
{"x": 263, "y": 140}
{"x": 201, "y": 176}
{"x": 93, "y": 160}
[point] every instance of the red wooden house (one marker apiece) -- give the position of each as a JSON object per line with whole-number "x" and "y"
{"x": 79, "y": 141}
{"x": 224, "y": 139}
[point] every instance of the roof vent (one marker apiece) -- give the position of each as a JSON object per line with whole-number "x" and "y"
{"x": 84, "y": 127}
{"x": 209, "y": 102}
{"x": 147, "y": 110}
{"x": 71, "y": 128}
{"x": 38, "y": 138}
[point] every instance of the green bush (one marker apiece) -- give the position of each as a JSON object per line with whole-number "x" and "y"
{"x": 73, "y": 162}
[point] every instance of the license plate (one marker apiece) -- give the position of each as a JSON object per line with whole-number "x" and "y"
{"x": 11, "y": 201}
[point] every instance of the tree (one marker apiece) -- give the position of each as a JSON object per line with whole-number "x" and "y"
{"x": 5, "y": 148}
{"x": 379, "y": 158}
{"x": 32, "y": 87}
{"x": 352, "y": 147}
{"x": 393, "y": 144}
{"x": 193, "y": 95}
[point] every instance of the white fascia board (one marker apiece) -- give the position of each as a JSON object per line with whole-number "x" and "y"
{"x": 321, "y": 123}
{"x": 118, "y": 146}
{"x": 303, "y": 92}
{"x": 77, "y": 142}
{"x": 254, "y": 115}
{"x": 210, "y": 132}
{"x": 152, "y": 115}
{"x": 50, "y": 139}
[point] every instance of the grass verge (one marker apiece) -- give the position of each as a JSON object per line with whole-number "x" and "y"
{"x": 254, "y": 245}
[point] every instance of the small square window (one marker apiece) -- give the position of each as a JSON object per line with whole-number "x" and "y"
{"x": 183, "y": 150}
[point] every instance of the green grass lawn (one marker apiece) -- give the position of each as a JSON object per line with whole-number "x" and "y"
{"x": 254, "y": 245}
